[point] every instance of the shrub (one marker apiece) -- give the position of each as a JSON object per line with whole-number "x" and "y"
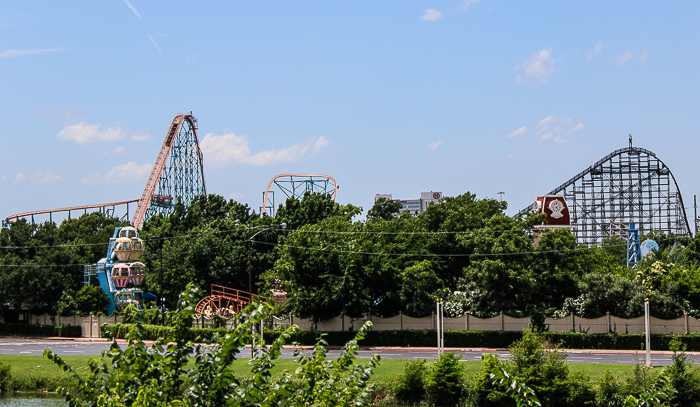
{"x": 684, "y": 376}
{"x": 444, "y": 383}
{"x": 409, "y": 386}
{"x": 609, "y": 391}
{"x": 160, "y": 374}
{"x": 4, "y": 376}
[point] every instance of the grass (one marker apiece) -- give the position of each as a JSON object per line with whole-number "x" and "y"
{"x": 31, "y": 373}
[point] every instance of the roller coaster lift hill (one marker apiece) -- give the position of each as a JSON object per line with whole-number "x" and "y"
{"x": 630, "y": 188}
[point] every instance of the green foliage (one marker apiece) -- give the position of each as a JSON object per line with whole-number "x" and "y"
{"x": 684, "y": 377}
{"x": 384, "y": 209}
{"x": 157, "y": 375}
{"x": 409, "y": 386}
{"x": 91, "y": 299}
{"x": 521, "y": 393}
{"x": 70, "y": 331}
{"x": 444, "y": 383}
{"x": 5, "y": 376}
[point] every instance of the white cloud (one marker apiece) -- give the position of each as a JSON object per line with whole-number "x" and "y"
{"x": 230, "y": 149}
{"x": 43, "y": 178}
{"x": 129, "y": 172}
{"x": 320, "y": 144}
{"x": 132, "y": 8}
{"x": 540, "y": 66}
{"x": 2, "y": 179}
{"x": 434, "y": 145}
{"x": 155, "y": 44}
{"x": 645, "y": 56}
{"x": 82, "y": 133}
{"x": 557, "y": 128}
{"x": 596, "y": 50}
{"x": 140, "y": 137}
{"x": 117, "y": 151}
{"x": 431, "y": 15}
{"x": 10, "y": 53}
{"x": 622, "y": 58}
{"x": 466, "y": 3}
{"x": 520, "y": 130}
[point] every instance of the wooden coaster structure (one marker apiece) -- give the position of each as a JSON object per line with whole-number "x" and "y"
{"x": 224, "y": 301}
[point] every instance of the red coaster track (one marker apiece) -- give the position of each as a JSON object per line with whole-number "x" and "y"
{"x": 224, "y": 301}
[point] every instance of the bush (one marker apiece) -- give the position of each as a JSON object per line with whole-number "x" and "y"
{"x": 409, "y": 387}
{"x": 444, "y": 384}
{"x": 70, "y": 331}
{"x": 685, "y": 378}
{"x": 160, "y": 374}
{"x": 4, "y": 376}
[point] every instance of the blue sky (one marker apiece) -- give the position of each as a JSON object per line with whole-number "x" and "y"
{"x": 392, "y": 97}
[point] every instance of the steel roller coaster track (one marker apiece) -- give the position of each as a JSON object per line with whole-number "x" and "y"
{"x": 628, "y": 185}
{"x": 178, "y": 174}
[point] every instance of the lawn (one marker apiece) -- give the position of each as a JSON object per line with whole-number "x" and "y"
{"x": 32, "y": 373}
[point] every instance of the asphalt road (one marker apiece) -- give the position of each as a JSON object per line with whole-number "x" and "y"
{"x": 12, "y": 346}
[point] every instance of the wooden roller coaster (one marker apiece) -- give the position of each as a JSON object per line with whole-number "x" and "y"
{"x": 224, "y": 301}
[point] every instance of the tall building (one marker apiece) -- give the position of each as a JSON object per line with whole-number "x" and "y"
{"x": 414, "y": 205}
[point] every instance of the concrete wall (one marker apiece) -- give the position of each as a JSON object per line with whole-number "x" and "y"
{"x": 609, "y": 323}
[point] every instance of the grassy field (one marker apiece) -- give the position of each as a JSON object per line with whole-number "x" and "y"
{"x": 36, "y": 374}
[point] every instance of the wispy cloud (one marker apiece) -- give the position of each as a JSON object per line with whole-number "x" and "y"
{"x": 129, "y": 172}
{"x": 540, "y": 66}
{"x": 155, "y": 44}
{"x": 11, "y": 53}
{"x": 42, "y": 178}
{"x": 132, "y": 8}
{"x": 434, "y": 145}
{"x": 83, "y": 133}
{"x": 645, "y": 56}
{"x": 517, "y": 131}
{"x": 140, "y": 137}
{"x": 557, "y": 128}
{"x": 3, "y": 179}
{"x": 622, "y": 58}
{"x": 431, "y": 15}
{"x": 466, "y": 3}
{"x": 596, "y": 50}
{"x": 230, "y": 149}
{"x": 117, "y": 151}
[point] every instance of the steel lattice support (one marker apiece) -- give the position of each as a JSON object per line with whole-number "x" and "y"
{"x": 296, "y": 185}
{"x": 178, "y": 172}
{"x": 628, "y": 185}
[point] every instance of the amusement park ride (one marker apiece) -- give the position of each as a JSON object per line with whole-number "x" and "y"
{"x": 627, "y": 188}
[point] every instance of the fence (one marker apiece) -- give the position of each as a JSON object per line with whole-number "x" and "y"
{"x": 502, "y": 322}
{"x": 605, "y": 324}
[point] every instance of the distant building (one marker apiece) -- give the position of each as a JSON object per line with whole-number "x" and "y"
{"x": 414, "y": 205}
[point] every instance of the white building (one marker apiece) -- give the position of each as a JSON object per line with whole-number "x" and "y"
{"x": 414, "y": 205}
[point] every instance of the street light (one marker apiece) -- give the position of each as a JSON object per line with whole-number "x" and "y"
{"x": 250, "y": 241}
{"x": 162, "y": 299}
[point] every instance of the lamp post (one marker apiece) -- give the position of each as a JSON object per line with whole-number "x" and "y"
{"x": 250, "y": 251}
{"x": 160, "y": 276}
{"x": 250, "y": 272}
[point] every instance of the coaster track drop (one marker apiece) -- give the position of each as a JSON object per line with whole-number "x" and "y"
{"x": 178, "y": 174}
{"x": 628, "y": 185}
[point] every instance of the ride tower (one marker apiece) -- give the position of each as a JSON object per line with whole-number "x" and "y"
{"x": 121, "y": 274}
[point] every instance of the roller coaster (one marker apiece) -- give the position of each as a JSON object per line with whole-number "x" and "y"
{"x": 628, "y": 185}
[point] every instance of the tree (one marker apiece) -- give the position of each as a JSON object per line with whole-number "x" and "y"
{"x": 91, "y": 299}
{"x": 385, "y": 209}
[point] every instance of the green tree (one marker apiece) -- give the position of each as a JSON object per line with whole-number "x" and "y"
{"x": 385, "y": 209}
{"x": 91, "y": 299}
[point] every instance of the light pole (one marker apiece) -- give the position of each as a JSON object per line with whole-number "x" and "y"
{"x": 160, "y": 276}
{"x": 250, "y": 251}
{"x": 501, "y": 195}
{"x": 250, "y": 273}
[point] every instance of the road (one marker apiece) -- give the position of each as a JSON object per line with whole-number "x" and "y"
{"x": 12, "y": 346}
